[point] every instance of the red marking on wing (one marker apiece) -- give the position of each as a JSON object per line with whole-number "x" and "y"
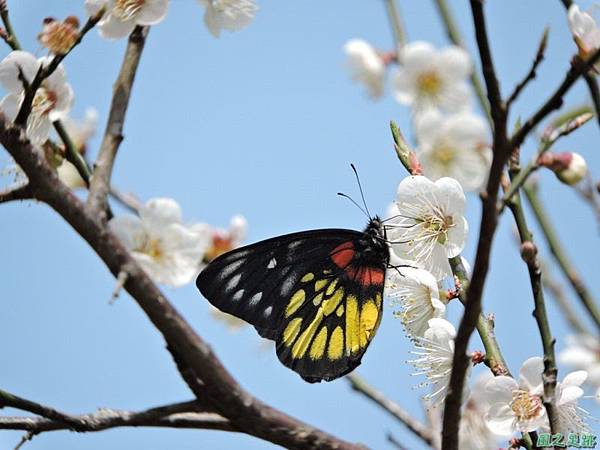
{"x": 342, "y": 255}
{"x": 366, "y": 276}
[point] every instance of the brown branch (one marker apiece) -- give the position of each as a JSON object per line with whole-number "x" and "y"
{"x": 590, "y": 80}
{"x": 489, "y": 220}
{"x": 9, "y": 36}
{"x": 16, "y": 193}
{"x": 245, "y": 412}
{"x": 539, "y": 57}
{"x": 362, "y": 387}
{"x": 113, "y": 135}
{"x": 577, "y": 69}
{"x": 178, "y": 415}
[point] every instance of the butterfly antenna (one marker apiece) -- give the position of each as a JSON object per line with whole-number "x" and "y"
{"x": 362, "y": 195}
{"x": 341, "y": 194}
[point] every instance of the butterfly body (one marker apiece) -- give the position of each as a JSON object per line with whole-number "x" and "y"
{"x": 317, "y": 293}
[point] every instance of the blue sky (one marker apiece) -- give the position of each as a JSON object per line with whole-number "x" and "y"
{"x": 263, "y": 122}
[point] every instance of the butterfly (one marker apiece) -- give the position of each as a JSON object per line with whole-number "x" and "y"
{"x": 317, "y": 294}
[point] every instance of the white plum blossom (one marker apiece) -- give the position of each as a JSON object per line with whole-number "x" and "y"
{"x": 583, "y": 352}
{"x": 435, "y": 351}
{"x": 430, "y": 78}
{"x": 79, "y": 132}
{"x": 167, "y": 250}
{"x": 122, "y": 16}
{"x": 223, "y": 240}
{"x": 366, "y": 66}
{"x": 570, "y": 415}
{"x": 52, "y": 100}
{"x": 454, "y": 146}
{"x": 417, "y": 293}
{"x": 474, "y": 434}
{"x": 584, "y": 30}
{"x": 231, "y": 15}
{"x": 429, "y": 226}
{"x": 517, "y": 406}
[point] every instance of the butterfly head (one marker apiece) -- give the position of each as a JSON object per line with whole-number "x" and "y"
{"x": 375, "y": 242}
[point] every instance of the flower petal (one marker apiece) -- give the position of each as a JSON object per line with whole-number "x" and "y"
{"x": 153, "y": 12}
{"x": 530, "y": 375}
{"x": 9, "y": 70}
{"x": 501, "y": 419}
{"x": 160, "y": 212}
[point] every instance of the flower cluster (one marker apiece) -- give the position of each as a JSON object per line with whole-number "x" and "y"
{"x": 426, "y": 227}
{"x": 171, "y": 252}
{"x": 451, "y": 140}
{"x": 518, "y": 406}
{"x": 120, "y": 17}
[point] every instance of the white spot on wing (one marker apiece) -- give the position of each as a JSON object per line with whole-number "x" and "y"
{"x": 229, "y": 269}
{"x": 238, "y": 295}
{"x": 255, "y": 298}
{"x": 272, "y": 263}
{"x": 294, "y": 245}
{"x": 233, "y": 282}
{"x": 268, "y": 311}
{"x": 288, "y": 284}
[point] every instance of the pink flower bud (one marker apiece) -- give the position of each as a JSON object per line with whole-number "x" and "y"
{"x": 569, "y": 167}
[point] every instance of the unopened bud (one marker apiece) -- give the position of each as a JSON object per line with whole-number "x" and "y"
{"x": 477, "y": 357}
{"x": 528, "y": 251}
{"x": 59, "y": 37}
{"x": 569, "y": 167}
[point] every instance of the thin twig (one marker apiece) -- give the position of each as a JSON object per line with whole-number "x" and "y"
{"x": 46, "y": 70}
{"x": 588, "y": 192}
{"x": 539, "y": 57}
{"x": 72, "y": 153}
{"x": 395, "y": 410}
{"x": 485, "y": 325}
{"x": 245, "y": 412}
{"x": 556, "y": 291}
{"x": 453, "y": 34}
{"x": 529, "y": 255}
{"x": 561, "y": 257}
{"x": 592, "y": 83}
{"x": 16, "y": 193}
{"x": 177, "y": 415}
{"x": 11, "y": 37}
{"x": 589, "y": 77}
{"x": 113, "y": 135}
{"x": 26, "y": 438}
{"x": 551, "y": 135}
{"x": 395, "y": 442}
{"x": 396, "y": 23}
{"x": 577, "y": 69}
{"x": 14, "y": 401}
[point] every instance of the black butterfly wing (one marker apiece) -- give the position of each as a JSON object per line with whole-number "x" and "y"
{"x": 308, "y": 292}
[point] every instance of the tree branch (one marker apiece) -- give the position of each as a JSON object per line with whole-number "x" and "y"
{"x": 420, "y": 430}
{"x": 489, "y": 219}
{"x": 245, "y": 412}
{"x": 11, "y": 37}
{"x": 529, "y": 255}
{"x": 560, "y": 256}
{"x": 45, "y": 71}
{"x": 539, "y": 57}
{"x": 453, "y": 34}
{"x": 177, "y": 415}
{"x": 16, "y": 193}
{"x": 577, "y": 69}
{"x": 113, "y": 135}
